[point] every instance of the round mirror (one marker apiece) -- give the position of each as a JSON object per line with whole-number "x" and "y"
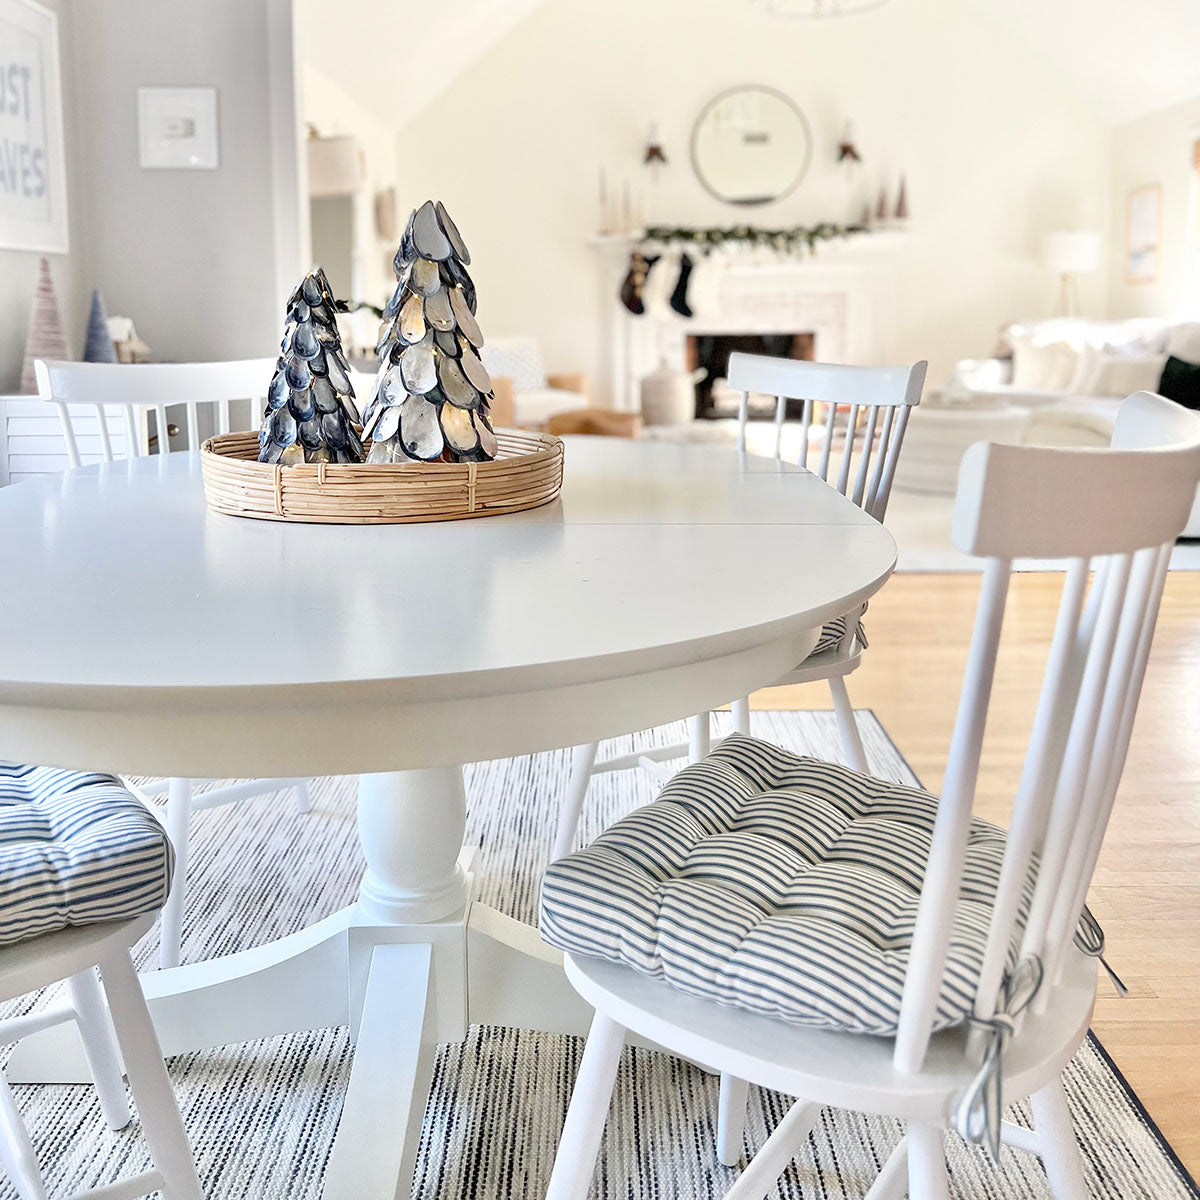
{"x": 751, "y": 145}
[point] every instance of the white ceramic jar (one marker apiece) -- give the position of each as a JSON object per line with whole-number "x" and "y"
{"x": 669, "y": 396}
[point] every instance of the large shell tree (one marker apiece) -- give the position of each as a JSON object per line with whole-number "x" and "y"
{"x": 311, "y": 414}
{"x": 432, "y": 393}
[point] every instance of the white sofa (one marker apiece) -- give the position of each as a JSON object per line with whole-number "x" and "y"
{"x": 1071, "y": 374}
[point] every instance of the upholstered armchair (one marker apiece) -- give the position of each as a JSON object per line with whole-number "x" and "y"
{"x": 524, "y": 394}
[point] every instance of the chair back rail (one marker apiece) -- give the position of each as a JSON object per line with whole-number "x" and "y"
{"x": 1114, "y": 514}
{"x": 150, "y": 387}
{"x": 882, "y": 396}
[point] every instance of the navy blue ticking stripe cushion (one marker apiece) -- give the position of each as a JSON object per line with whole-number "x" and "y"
{"x": 775, "y": 883}
{"x": 75, "y": 848}
{"x": 833, "y": 631}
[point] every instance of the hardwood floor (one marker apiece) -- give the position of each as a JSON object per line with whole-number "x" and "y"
{"x": 1146, "y": 892}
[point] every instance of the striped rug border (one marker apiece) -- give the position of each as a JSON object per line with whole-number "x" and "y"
{"x": 1185, "y": 1176}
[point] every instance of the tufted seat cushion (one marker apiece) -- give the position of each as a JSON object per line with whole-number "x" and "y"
{"x": 75, "y": 848}
{"x": 775, "y": 883}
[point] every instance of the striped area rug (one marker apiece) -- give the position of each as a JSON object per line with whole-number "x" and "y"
{"x": 262, "y": 1115}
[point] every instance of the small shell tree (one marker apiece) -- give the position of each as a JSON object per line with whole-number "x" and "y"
{"x": 311, "y": 414}
{"x": 432, "y": 393}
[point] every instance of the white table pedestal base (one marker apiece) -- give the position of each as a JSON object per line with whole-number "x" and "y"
{"x": 410, "y": 965}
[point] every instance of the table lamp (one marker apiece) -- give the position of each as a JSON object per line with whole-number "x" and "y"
{"x": 1070, "y": 253}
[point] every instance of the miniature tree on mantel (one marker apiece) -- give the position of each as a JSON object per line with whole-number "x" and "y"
{"x": 432, "y": 394}
{"x": 311, "y": 414}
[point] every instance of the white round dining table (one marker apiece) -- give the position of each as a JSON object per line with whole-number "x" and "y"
{"x": 142, "y": 634}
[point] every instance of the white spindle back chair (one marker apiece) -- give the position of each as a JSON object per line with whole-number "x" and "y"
{"x": 152, "y": 387}
{"x": 884, "y": 396}
{"x": 137, "y": 388}
{"x": 878, "y": 398}
{"x": 1114, "y": 514}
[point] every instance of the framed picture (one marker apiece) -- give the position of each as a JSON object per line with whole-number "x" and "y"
{"x": 1143, "y": 234}
{"x": 177, "y": 128}
{"x": 33, "y": 175}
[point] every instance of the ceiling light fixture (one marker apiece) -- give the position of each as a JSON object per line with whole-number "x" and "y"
{"x": 815, "y": 9}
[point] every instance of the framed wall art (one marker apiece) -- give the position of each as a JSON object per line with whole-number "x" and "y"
{"x": 177, "y": 128}
{"x": 1143, "y": 234}
{"x": 33, "y": 175}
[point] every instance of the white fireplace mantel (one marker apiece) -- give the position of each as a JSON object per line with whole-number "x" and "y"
{"x": 842, "y": 294}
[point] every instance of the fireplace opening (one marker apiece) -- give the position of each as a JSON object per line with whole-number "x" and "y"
{"x": 714, "y": 397}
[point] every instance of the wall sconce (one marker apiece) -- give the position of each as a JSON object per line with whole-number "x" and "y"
{"x": 655, "y": 157}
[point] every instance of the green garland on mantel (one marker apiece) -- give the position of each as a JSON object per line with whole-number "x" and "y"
{"x": 799, "y": 237}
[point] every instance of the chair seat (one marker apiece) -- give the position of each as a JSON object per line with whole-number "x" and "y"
{"x": 779, "y": 884}
{"x": 832, "y": 1067}
{"x": 76, "y": 848}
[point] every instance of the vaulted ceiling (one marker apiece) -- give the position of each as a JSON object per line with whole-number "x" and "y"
{"x": 1122, "y": 58}
{"x": 397, "y": 56}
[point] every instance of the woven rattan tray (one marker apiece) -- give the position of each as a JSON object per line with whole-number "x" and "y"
{"x": 527, "y": 472}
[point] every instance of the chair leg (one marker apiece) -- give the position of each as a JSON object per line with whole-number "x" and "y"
{"x": 170, "y": 923}
{"x": 16, "y": 1150}
{"x": 100, "y": 1047}
{"x": 157, "y": 1109}
{"x": 927, "y": 1175}
{"x": 575, "y": 1162}
{"x": 852, "y": 747}
{"x": 303, "y": 796}
{"x": 741, "y": 715}
{"x": 582, "y": 762}
{"x": 1056, "y": 1138}
{"x": 891, "y": 1182}
{"x": 758, "y": 1180}
{"x": 731, "y": 1120}
{"x": 699, "y": 737}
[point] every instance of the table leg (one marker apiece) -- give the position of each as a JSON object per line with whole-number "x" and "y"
{"x": 411, "y": 826}
{"x": 375, "y": 1152}
{"x": 297, "y": 982}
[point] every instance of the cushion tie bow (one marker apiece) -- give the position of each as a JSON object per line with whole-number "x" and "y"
{"x": 979, "y": 1113}
{"x": 978, "y": 1116}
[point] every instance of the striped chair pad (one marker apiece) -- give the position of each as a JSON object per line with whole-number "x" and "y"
{"x": 75, "y": 848}
{"x": 779, "y": 884}
{"x": 833, "y": 631}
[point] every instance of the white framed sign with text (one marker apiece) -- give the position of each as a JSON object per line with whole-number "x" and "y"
{"x": 33, "y": 176}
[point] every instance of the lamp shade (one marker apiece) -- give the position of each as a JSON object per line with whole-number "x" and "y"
{"x": 335, "y": 166}
{"x": 1071, "y": 252}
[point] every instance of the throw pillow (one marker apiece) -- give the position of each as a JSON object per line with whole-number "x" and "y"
{"x": 1116, "y": 375}
{"x": 1045, "y": 367}
{"x": 518, "y": 359}
{"x": 1180, "y": 382}
{"x": 1085, "y": 370}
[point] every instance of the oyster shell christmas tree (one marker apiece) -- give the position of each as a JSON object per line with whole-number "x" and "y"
{"x": 432, "y": 394}
{"x": 310, "y": 414}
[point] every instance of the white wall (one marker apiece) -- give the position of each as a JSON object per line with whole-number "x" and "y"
{"x": 1157, "y": 149}
{"x": 19, "y": 268}
{"x": 995, "y": 155}
{"x": 199, "y": 259}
